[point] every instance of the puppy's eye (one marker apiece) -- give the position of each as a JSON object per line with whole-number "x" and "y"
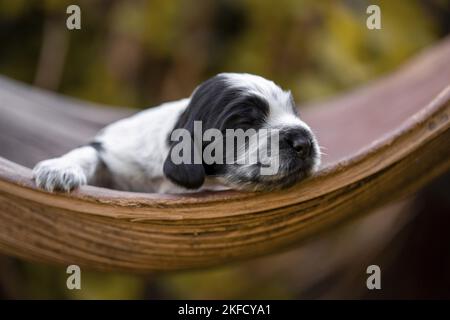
{"x": 247, "y": 112}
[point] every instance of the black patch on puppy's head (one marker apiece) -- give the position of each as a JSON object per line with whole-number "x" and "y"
{"x": 217, "y": 104}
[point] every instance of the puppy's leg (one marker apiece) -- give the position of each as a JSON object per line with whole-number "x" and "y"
{"x": 76, "y": 168}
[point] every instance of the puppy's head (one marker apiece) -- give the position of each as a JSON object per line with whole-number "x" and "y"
{"x": 243, "y": 130}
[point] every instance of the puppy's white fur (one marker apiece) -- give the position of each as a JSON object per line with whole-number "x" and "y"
{"x": 136, "y": 149}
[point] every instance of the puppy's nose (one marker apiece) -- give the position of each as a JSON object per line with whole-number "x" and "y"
{"x": 302, "y": 144}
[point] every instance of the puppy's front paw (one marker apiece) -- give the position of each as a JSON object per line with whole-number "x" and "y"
{"x": 57, "y": 174}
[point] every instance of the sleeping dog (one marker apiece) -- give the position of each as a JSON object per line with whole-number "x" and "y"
{"x": 138, "y": 153}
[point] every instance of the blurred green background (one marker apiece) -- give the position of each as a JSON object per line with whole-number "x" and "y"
{"x": 141, "y": 53}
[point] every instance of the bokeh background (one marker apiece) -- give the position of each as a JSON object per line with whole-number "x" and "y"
{"x": 142, "y": 53}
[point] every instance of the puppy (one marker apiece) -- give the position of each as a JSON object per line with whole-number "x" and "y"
{"x": 138, "y": 153}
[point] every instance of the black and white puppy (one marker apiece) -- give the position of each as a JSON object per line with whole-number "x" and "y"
{"x": 134, "y": 154}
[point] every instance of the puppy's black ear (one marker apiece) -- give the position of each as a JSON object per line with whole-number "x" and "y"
{"x": 207, "y": 102}
{"x": 190, "y": 176}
